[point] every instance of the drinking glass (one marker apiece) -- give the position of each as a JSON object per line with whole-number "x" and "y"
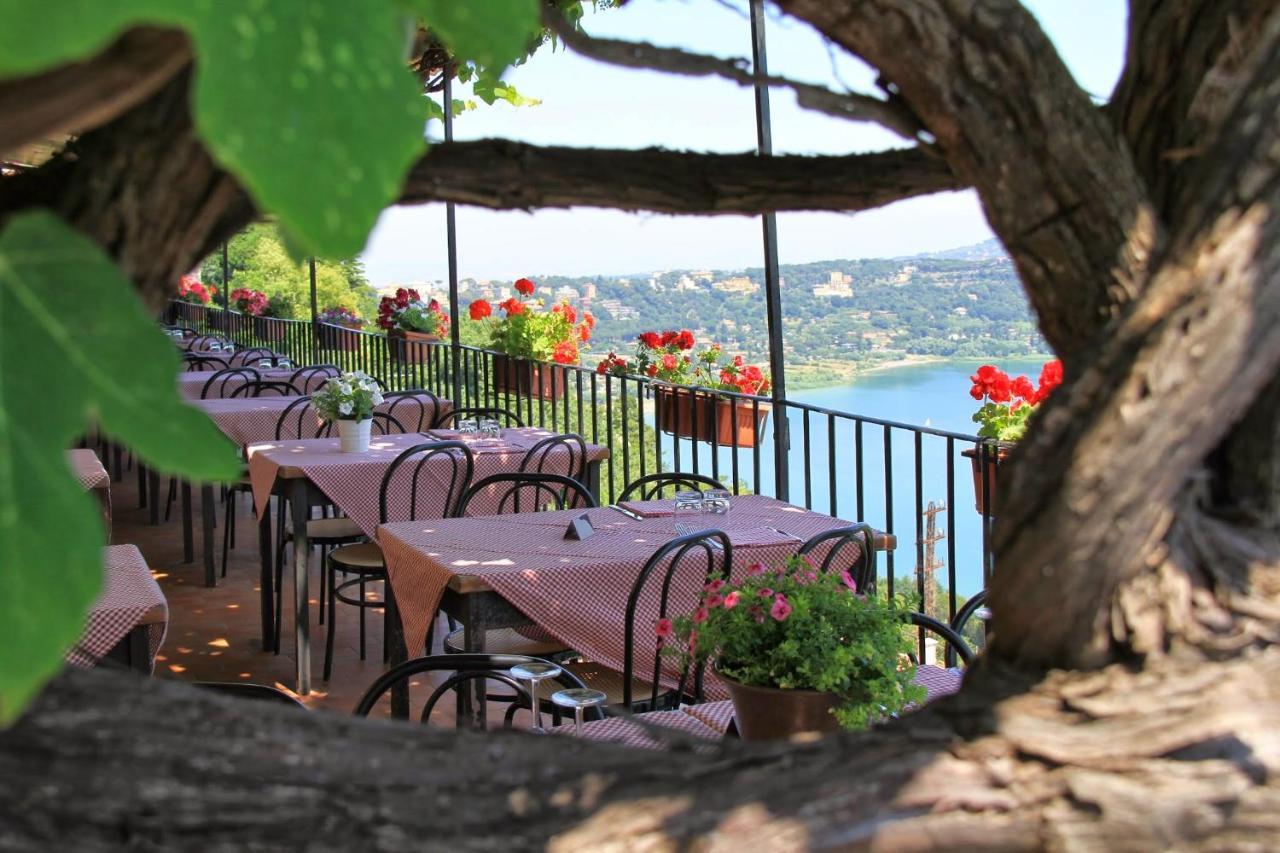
{"x": 264, "y": 363}
{"x": 228, "y": 348}
{"x": 284, "y": 362}
{"x": 490, "y": 428}
{"x": 214, "y": 346}
{"x": 534, "y": 672}
{"x": 716, "y": 501}
{"x": 579, "y": 699}
{"x": 467, "y": 426}
{"x": 688, "y": 512}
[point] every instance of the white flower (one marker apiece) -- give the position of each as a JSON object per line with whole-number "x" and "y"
{"x": 345, "y": 408}
{"x": 376, "y": 399}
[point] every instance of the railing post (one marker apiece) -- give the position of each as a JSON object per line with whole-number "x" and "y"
{"x": 772, "y": 288}
{"x": 451, "y": 243}
{"x": 315, "y": 314}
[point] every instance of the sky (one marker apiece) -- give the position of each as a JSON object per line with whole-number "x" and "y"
{"x": 590, "y": 104}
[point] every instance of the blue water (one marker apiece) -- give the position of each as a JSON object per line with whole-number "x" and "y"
{"x": 929, "y": 395}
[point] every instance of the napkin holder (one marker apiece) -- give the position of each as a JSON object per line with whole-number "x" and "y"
{"x": 579, "y": 528}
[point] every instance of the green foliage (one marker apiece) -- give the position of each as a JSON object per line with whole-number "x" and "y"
{"x": 351, "y": 396}
{"x": 470, "y": 29}
{"x": 796, "y": 628}
{"x": 76, "y": 348}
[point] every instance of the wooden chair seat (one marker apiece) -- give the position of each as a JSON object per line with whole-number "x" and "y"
{"x": 505, "y": 641}
{"x": 364, "y": 557}
{"x": 330, "y": 530}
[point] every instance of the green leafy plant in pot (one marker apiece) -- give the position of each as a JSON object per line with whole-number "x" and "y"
{"x": 800, "y": 650}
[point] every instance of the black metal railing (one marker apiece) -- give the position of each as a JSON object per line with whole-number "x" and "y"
{"x": 858, "y": 467}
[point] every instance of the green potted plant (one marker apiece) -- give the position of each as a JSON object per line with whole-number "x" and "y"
{"x": 686, "y": 402}
{"x": 1007, "y": 406}
{"x": 335, "y": 321}
{"x": 411, "y": 324}
{"x": 533, "y": 341}
{"x": 799, "y": 649}
{"x": 349, "y": 400}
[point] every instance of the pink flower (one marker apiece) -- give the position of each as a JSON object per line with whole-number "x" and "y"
{"x": 693, "y": 641}
{"x": 700, "y": 616}
{"x": 715, "y": 586}
{"x": 764, "y": 592}
{"x": 780, "y": 610}
{"x": 663, "y": 629}
{"x": 848, "y": 580}
{"x": 714, "y": 599}
{"x": 757, "y": 613}
{"x": 755, "y": 569}
{"x": 731, "y": 600}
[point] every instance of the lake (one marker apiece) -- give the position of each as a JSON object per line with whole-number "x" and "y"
{"x": 934, "y": 395}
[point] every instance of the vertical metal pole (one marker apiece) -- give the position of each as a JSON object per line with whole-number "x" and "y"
{"x": 451, "y": 242}
{"x": 772, "y": 289}
{"x": 226, "y": 280}
{"x": 315, "y": 315}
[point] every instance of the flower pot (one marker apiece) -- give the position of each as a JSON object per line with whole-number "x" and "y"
{"x": 991, "y": 458}
{"x": 703, "y": 416}
{"x": 339, "y": 338}
{"x": 353, "y": 436}
{"x": 408, "y": 347}
{"x": 769, "y": 713}
{"x": 529, "y": 378}
{"x": 268, "y": 329}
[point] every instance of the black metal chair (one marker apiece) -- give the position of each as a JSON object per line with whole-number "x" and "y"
{"x": 558, "y": 454}
{"x": 206, "y": 342}
{"x": 309, "y": 380}
{"x": 383, "y": 424}
{"x": 466, "y": 668}
{"x": 402, "y": 481}
{"x": 299, "y": 420}
{"x": 203, "y": 363}
{"x": 449, "y": 419}
{"x": 927, "y": 624}
{"x": 252, "y": 692}
{"x": 638, "y": 687}
{"x": 651, "y": 486}
{"x": 220, "y": 379}
{"x": 417, "y": 410}
{"x": 267, "y": 388}
{"x": 974, "y": 608}
{"x": 852, "y": 548}
{"x": 253, "y": 355}
{"x": 528, "y": 491}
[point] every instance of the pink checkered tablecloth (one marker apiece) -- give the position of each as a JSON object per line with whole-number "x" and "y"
{"x": 190, "y": 384}
{"x": 91, "y": 474}
{"x": 576, "y": 591}
{"x": 645, "y": 731}
{"x": 130, "y": 596}
{"x": 252, "y": 420}
{"x": 352, "y": 481}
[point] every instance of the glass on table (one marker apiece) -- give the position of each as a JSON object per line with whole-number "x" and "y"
{"x": 716, "y": 501}
{"x": 264, "y": 363}
{"x": 467, "y": 426}
{"x": 535, "y": 672}
{"x": 490, "y": 428}
{"x": 579, "y": 699}
{"x": 284, "y": 362}
{"x": 688, "y": 512}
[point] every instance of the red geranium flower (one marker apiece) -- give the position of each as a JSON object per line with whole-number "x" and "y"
{"x": 480, "y": 309}
{"x": 566, "y": 352}
{"x": 650, "y": 339}
{"x": 512, "y": 306}
{"x": 684, "y": 340}
{"x": 669, "y": 362}
{"x": 669, "y": 338}
{"x": 524, "y": 286}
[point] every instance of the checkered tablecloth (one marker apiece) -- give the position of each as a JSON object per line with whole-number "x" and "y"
{"x": 252, "y": 420}
{"x": 576, "y": 591}
{"x": 190, "y": 384}
{"x": 88, "y": 468}
{"x": 352, "y": 481}
{"x": 129, "y": 592}
{"x": 645, "y": 731}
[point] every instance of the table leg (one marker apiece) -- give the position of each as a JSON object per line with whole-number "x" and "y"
{"x": 153, "y": 489}
{"x": 142, "y": 485}
{"x": 188, "y": 534}
{"x": 474, "y": 706}
{"x": 207, "y": 511}
{"x": 300, "y": 509}
{"x": 593, "y": 479}
{"x": 266, "y": 581}
{"x": 399, "y": 654}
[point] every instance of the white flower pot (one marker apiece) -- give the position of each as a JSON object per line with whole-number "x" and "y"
{"x": 353, "y": 436}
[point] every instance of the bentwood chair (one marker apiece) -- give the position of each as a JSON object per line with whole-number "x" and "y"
{"x": 424, "y": 481}
{"x": 638, "y": 688}
{"x": 267, "y": 388}
{"x": 216, "y": 385}
{"x": 558, "y": 454}
{"x": 449, "y": 419}
{"x": 850, "y": 549}
{"x": 974, "y": 608}
{"x": 309, "y": 380}
{"x": 652, "y": 487}
{"x": 203, "y": 363}
{"x": 955, "y": 643}
{"x": 519, "y": 492}
{"x": 383, "y": 424}
{"x": 253, "y": 355}
{"x": 462, "y": 669}
{"x": 417, "y": 410}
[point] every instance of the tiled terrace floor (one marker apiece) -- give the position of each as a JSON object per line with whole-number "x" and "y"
{"x": 215, "y": 633}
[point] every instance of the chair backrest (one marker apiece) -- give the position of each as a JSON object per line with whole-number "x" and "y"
{"x": 449, "y": 419}
{"x": 558, "y": 454}
{"x": 311, "y": 379}
{"x": 200, "y": 363}
{"x": 465, "y": 669}
{"x": 526, "y": 491}
{"x": 850, "y": 549}
{"x": 383, "y": 424}
{"x": 205, "y": 341}
{"x": 417, "y": 410}
{"x": 266, "y": 388}
{"x": 299, "y": 420}
{"x": 251, "y": 356}
{"x": 974, "y": 607}
{"x": 661, "y": 570}
{"x": 927, "y": 624}
{"x": 427, "y": 480}
{"x": 651, "y": 486}
{"x": 216, "y": 385}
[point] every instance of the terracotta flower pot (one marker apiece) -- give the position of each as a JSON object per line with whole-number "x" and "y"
{"x": 339, "y": 338}
{"x": 709, "y": 417}
{"x": 993, "y": 456}
{"x": 408, "y": 347}
{"x": 769, "y": 713}
{"x": 529, "y": 378}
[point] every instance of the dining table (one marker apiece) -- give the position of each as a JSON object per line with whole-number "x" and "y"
{"x": 316, "y": 472}
{"x": 93, "y": 477}
{"x": 191, "y": 384}
{"x": 128, "y": 621}
{"x": 520, "y": 571}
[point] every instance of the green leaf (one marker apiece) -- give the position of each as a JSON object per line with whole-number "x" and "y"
{"x": 490, "y": 89}
{"x": 308, "y": 103}
{"x": 493, "y": 34}
{"x": 76, "y": 346}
